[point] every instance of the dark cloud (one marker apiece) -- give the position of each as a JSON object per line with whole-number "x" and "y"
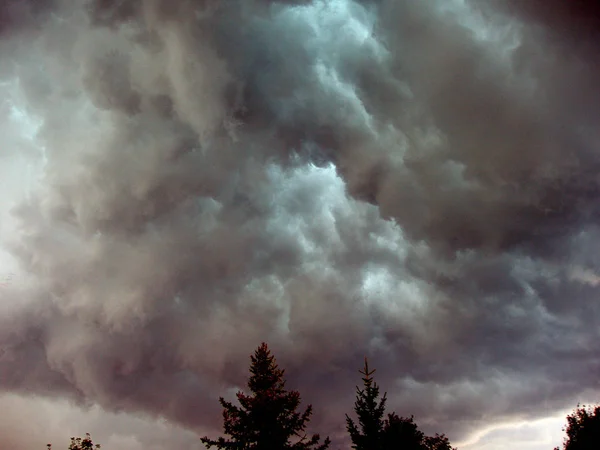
{"x": 413, "y": 181}
{"x": 578, "y": 19}
{"x": 19, "y": 14}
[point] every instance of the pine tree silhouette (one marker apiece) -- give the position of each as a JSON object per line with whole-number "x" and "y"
{"x": 370, "y": 412}
{"x": 373, "y": 432}
{"x": 266, "y": 419}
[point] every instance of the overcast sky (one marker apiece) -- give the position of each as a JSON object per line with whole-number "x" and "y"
{"x": 412, "y": 181}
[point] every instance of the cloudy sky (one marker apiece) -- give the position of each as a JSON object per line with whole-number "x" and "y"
{"x": 410, "y": 180}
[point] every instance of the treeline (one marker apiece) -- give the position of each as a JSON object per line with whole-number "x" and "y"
{"x": 268, "y": 418}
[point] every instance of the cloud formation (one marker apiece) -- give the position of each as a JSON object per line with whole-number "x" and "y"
{"x": 414, "y": 181}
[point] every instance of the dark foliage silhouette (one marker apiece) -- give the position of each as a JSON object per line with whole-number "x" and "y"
{"x": 437, "y": 442}
{"x": 80, "y": 443}
{"x": 402, "y": 432}
{"x": 368, "y": 434}
{"x": 267, "y": 418}
{"x": 374, "y": 432}
{"x": 583, "y": 429}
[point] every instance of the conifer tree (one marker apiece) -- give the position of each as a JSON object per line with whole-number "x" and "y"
{"x": 374, "y": 432}
{"x": 267, "y": 418}
{"x": 370, "y": 412}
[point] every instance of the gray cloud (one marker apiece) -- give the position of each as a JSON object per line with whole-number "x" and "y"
{"x": 414, "y": 182}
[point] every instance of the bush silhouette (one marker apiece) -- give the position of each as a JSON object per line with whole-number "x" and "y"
{"x": 583, "y": 429}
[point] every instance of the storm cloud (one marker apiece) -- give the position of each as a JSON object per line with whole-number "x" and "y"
{"x": 411, "y": 181}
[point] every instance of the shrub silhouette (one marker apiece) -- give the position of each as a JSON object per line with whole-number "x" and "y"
{"x": 80, "y": 443}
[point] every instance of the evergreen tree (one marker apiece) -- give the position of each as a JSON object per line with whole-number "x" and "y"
{"x": 374, "y": 432}
{"x": 267, "y": 418}
{"x": 370, "y": 412}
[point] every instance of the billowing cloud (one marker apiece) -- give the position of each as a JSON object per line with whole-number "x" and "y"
{"x": 413, "y": 181}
